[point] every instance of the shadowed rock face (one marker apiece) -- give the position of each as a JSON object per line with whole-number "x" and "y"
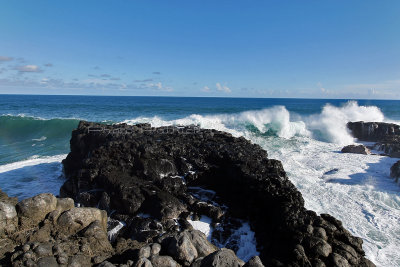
{"x": 374, "y": 131}
{"x": 135, "y": 169}
{"x": 386, "y": 135}
{"x": 395, "y": 171}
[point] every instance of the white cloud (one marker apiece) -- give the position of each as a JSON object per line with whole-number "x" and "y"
{"x": 160, "y": 87}
{"x": 206, "y": 89}
{"x": 223, "y": 88}
{"x": 28, "y": 68}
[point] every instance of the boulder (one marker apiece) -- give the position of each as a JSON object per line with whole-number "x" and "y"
{"x": 356, "y": 149}
{"x": 200, "y": 242}
{"x": 221, "y": 258}
{"x": 163, "y": 261}
{"x": 33, "y": 210}
{"x": 181, "y": 248}
{"x": 76, "y": 219}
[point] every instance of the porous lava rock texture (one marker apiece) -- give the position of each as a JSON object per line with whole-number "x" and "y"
{"x": 144, "y": 177}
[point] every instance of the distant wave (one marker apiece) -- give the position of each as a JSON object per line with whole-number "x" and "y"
{"x": 329, "y": 125}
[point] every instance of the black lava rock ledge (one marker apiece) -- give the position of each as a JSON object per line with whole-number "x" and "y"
{"x": 146, "y": 179}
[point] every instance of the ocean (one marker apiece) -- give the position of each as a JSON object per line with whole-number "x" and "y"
{"x": 305, "y": 134}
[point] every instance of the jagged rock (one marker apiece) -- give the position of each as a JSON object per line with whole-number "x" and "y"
{"x": 387, "y": 135}
{"x": 221, "y": 258}
{"x": 146, "y": 173}
{"x": 76, "y": 219}
{"x": 356, "y": 149}
{"x": 254, "y": 262}
{"x": 395, "y": 171}
{"x": 33, "y": 210}
{"x": 373, "y": 131}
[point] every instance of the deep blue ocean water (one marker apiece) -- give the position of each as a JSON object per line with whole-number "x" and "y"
{"x": 305, "y": 134}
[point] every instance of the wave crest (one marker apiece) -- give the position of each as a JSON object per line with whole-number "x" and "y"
{"x": 328, "y": 126}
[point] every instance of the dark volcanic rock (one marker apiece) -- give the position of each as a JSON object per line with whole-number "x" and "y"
{"x": 386, "y": 135}
{"x": 395, "y": 171}
{"x": 146, "y": 172}
{"x": 356, "y": 149}
{"x": 374, "y": 131}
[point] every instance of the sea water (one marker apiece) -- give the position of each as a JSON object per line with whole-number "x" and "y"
{"x": 305, "y": 134}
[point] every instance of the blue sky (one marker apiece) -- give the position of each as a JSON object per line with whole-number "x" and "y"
{"x": 310, "y": 49}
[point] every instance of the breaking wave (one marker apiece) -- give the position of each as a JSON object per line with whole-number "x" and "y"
{"x": 328, "y": 126}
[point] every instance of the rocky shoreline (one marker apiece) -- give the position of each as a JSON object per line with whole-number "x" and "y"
{"x": 151, "y": 185}
{"x": 386, "y": 138}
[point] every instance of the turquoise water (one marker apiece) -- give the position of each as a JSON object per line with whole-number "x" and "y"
{"x": 305, "y": 134}
{"x": 25, "y": 120}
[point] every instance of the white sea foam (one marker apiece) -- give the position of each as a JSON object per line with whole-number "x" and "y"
{"x": 329, "y": 125}
{"x": 203, "y": 225}
{"x": 40, "y": 139}
{"x": 246, "y": 241}
{"x": 331, "y": 122}
{"x": 112, "y": 234}
{"x": 359, "y": 191}
{"x": 31, "y": 161}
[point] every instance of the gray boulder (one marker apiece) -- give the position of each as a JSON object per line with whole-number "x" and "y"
{"x": 163, "y": 261}
{"x": 221, "y": 258}
{"x": 356, "y": 149}
{"x": 182, "y": 249}
{"x": 200, "y": 242}
{"x": 76, "y": 219}
{"x": 33, "y": 210}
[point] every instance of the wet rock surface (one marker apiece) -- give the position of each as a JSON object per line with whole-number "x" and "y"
{"x": 144, "y": 177}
